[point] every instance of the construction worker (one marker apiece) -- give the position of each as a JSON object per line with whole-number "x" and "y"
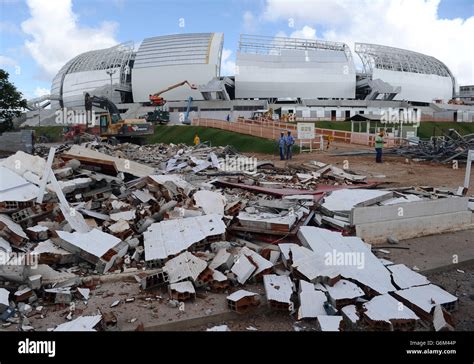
{"x": 289, "y": 145}
{"x": 282, "y": 146}
{"x": 197, "y": 140}
{"x": 379, "y": 142}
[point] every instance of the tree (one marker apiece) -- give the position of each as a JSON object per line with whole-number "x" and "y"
{"x": 11, "y": 102}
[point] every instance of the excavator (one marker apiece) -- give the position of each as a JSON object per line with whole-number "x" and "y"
{"x": 160, "y": 115}
{"x": 111, "y": 126}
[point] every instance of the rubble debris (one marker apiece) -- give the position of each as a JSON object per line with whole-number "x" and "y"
{"x": 386, "y": 313}
{"x": 404, "y": 277}
{"x": 153, "y": 280}
{"x": 170, "y": 237}
{"x": 451, "y": 145}
{"x": 442, "y": 320}
{"x": 95, "y": 247}
{"x": 50, "y": 253}
{"x": 14, "y": 188}
{"x": 243, "y": 301}
{"x": 219, "y": 328}
{"x": 422, "y": 299}
{"x": 279, "y": 290}
{"x": 349, "y": 256}
{"x": 350, "y": 316}
{"x": 329, "y": 323}
{"x": 117, "y": 209}
{"x": 12, "y": 231}
{"x": 311, "y": 301}
{"x": 4, "y": 302}
{"x": 105, "y": 163}
{"x": 58, "y": 295}
{"x": 223, "y": 260}
{"x": 82, "y": 323}
{"x": 210, "y": 202}
{"x": 184, "y": 266}
{"x": 37, "y": 233}
{"x": 243, "y": 268}
{"x": 182, "y": 291}
{"x": 84, "y": 292}
{"x": 23, "y": 294}
{"x": 35, "y": 281}
{"x": 343, "y": 293}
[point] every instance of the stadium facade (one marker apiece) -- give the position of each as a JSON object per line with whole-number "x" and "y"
{"x": 315, "y": 78}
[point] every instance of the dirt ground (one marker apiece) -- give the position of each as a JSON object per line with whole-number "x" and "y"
{"x": 398, "y": 171}
{"x": 459, "y": 282}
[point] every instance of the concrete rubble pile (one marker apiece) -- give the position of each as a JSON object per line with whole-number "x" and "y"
{"x": 450, "y": 146}
{"x": 178, "y": 221}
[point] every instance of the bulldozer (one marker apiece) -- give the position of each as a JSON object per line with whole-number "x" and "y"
{"x": 160, "y": 115}
{"x": 112, "y": 126}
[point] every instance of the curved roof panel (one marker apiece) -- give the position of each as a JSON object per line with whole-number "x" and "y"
{"x": 402, "y": 60}
{"x": 117, "y": 56}
{"x": 173, "y": 50}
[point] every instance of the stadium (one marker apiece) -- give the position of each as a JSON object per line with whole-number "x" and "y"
{"x": 310, "y": 79}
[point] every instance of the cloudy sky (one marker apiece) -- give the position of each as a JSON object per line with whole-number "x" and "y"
{"x": 38, "y": 36}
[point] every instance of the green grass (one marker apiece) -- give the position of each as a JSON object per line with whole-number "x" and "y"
{"x": 185, "y": 134}
{"x": 432, "y": 128}
{"x": 53, "y": 133}
{"x": 334, "y": 125}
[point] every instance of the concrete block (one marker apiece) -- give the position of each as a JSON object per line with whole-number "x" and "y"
{"x": 373, "y": 214}
{"x": 407, "y": 228}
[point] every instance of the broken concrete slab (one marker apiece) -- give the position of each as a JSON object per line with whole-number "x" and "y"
{"x": 96, "y": 247}
{"x": 279, "y": 290}
{"x": 106, "y": 162}
{"x": 174, "y": 183}
{"x": 168, "y": 238}
{"x": 422, "y": 299}
{"x": 263, "y": 265}
{"x": 311, "y": 301}
{"x": 386, "y": 313}
{"x": 268, "y": 221}
{"x": 50, "y": 253}
{"x": 345, "y": 200}
{"x": 82, "y": 323}
{"x": 223, "y": 259}
{"x": 329, "y": 323}
{"x": 123, "y": 215}
{"x": 442, "y": 320}
{"x": 12, "y": 231}
{"x": 243, "y": 268}
{"x": 37, "y": 232}
{"x": 350, "y": 316}
{"x": 211, "y": 202}
{"x": 184, "y": 266}
{"x": 182, "y": 291}
{"x": 349, "y": 256}
{"x": 4, "y": 299}
{"x": 404, "y": 277}
{"x": 13, "y": 187}
{"x": 343, "y": 293}
{"x": 243, "y": 301}
{"x": 22, "y": 162}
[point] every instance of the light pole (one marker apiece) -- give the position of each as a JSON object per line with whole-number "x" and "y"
{"x": 111, "y": 72}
